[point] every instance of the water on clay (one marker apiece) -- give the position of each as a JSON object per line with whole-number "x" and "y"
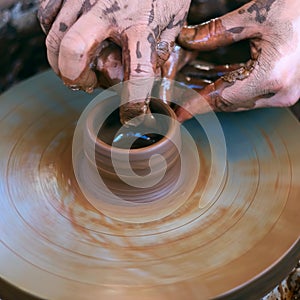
{"x": 137, "y": 139}
{"x": 113, "y": 133}
{"x": 98, "y": 255}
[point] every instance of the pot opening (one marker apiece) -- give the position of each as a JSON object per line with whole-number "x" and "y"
{"x": 113, "y": 133}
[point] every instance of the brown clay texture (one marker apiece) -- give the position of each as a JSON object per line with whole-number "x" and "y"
{"x": 232, "y": 239}
{"x": 21, "y": 45}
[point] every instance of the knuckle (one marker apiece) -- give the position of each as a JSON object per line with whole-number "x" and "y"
{"x": 288, "y": 100}
{"x": 52, "y": 42}
{"x": 277, "y": 85}
{"x": 73, "y": 46}
{"x": 47, "y": 12}
{"x": 139, "y": 70}
{"x": 163, "y": 52}
{"x": 40, "y": 14}
{"x": 280, "y": 89}
{"x": 284, "y": 93}
{"x": 45, "y": 21}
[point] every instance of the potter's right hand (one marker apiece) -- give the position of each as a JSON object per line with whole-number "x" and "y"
{"x": 145, "y": 30}
{"x": 271, "y": 77}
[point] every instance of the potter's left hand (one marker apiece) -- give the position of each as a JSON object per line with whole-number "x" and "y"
{"x": 145, "y": 30}
{"x": 271, "y": 77}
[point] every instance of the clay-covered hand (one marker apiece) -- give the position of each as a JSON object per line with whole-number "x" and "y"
{"x": 145, "y": 30}
{"x": 271, "y": 77}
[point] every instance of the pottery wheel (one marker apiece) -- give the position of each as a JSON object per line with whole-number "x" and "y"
{"x": 55, "y": 245}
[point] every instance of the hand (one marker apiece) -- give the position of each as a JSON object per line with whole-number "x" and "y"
{"x": 145, "y": 31}
{"x": 270, "y": 78}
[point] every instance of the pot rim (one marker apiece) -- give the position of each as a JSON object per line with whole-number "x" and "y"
{"x": 169, "y": 136}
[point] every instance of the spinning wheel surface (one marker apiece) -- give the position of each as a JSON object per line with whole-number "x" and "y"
{"x": 55, "y": 245}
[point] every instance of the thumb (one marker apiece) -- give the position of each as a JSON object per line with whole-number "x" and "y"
{"x": 139, "y": 61}
{"x": 232, "y": 27}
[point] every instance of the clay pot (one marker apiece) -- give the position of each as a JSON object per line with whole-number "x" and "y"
{"x": 139, "y": 181}
{"x": 147, "y": 158}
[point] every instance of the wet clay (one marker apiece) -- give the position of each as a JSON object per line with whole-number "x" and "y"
{"x": 134, "y": 137}
{"x": 142, "y": 142}
{"x": 213, "y": 243}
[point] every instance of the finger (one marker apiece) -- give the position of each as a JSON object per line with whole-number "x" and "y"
{"x": 243, "y": 89}
{"x": 199, "y": 74}
{"x": 284, "y": 98}
{"x": 223, "y": 31}
{"x": 65, "y": 19}
{"x": 166, "y": 39}
{"x": 209, "y": 99}
{"x": 139, "y": 53}
{"x": 78, "y": 50}
{"x": 212, "y": 96}
{"x": 173, "y": 60}
{"x": 196, "y": 103}
{"x": 47, "y": 13}
{"x": 139, "y": 61}
{"x": 259, "y": 87}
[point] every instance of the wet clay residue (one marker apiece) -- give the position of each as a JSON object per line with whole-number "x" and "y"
{"x": 146, "y": 141}
{"x": 112, "y": 132}
{"x": 70, "y": 239}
